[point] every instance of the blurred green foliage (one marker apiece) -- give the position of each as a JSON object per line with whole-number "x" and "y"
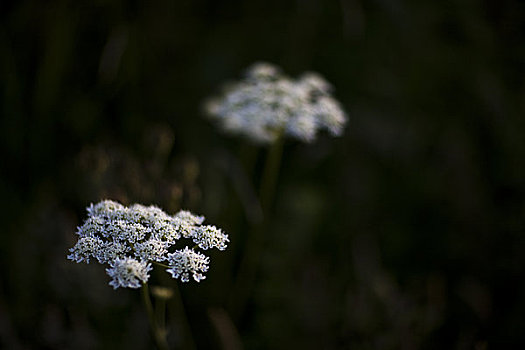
{"x": 406, "y": 233}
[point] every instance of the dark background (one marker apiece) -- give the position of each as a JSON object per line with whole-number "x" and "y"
{"x": 405, "y": 233}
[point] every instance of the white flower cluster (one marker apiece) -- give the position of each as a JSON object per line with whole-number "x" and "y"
{"x": 268, "y": 104}
{"x": 129, "y": 239}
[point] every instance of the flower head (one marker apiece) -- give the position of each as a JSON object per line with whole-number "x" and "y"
{"x": 129, "y": 239}
{"x": 268, "y": 104}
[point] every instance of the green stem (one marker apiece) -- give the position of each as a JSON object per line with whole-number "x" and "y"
{"x": 246, "y": 277}
{"x": 161, "y": 264}
{"x": 188, "y": 341}
{"x": 270, "y": 175}
{"x": 159, "y": 335}
{"x": 160, "y": 312}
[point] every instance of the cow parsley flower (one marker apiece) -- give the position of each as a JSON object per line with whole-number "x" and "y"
{"x": 186, "y": 261}
{"x": 267, "y": 104}
{"x": 130, "y": 239}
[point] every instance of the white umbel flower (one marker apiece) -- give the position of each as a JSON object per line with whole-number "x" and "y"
{"x": 267, "y": 104}
{"x": 129, "y": 239}
{"x": 185, "y": 262}
{"x": 128, "y": 273}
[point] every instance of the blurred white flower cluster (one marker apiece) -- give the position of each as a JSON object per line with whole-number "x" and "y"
{"x": 267, "y": 104}
{"x": 129, "y": 239}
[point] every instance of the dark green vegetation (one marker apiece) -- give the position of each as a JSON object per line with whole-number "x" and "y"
{"x": 408, "y": 232}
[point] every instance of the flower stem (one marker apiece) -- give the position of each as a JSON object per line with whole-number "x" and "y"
{"x": 246, "y": 277}
{"x": 161, "y": 264}
{"x": 159, "y": 335}
{"x": 188, "y": 341}
{"x": 270, "y": 175}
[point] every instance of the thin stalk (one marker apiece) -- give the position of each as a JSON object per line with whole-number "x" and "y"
{"x": 254, "y": 245}
{"x": 160, "y": 313}
{"x": 189, "y": 342}
{"x": 161, "y": 264}
{"x": 180, "y": 313}
{"x": 271, "y": 169}
{"x": 159, "y": 336}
